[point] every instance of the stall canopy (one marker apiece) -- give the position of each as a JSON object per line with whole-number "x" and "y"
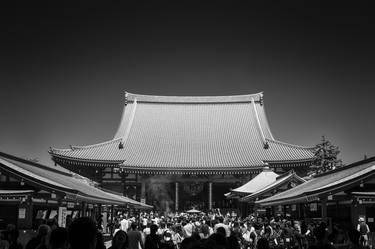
{"x": 71, "y": 186}
{"x": 264, "y": 178}
{"x": 330, "y": 183}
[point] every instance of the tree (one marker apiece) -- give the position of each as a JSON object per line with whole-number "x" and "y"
{"x": 325, "y": 157}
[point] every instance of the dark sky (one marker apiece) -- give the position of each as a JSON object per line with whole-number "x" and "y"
{"x": 64, "y": 69}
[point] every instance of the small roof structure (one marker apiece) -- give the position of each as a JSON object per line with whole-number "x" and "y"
{"x": 55, "y": 180}
{"x": 289, "y": 177}
{"x": 329, "y": 183}
{"x": 264, "y": 178}
{"x": 189, "y": 134}
{"x": 193, "y": 211}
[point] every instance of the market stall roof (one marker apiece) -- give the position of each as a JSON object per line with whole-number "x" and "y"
{"x": 54, "y": 179}
{"x": 290, "y": 176}
{"x": 264, "y": 178}
{"x": 128, "y": 200}
{"x": 189, "y": 134}
{"x": 15, "y": 192}
{"x": 328, "y": 183}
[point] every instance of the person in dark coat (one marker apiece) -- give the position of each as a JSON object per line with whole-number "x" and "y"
{"x": 152, "y": 240}
{"x": 43, "y": 231}
{"x": 120, "y": 240}
{"x": 58, "y": 239}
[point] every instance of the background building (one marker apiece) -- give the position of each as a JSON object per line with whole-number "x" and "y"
{"x": 179, "y": 152}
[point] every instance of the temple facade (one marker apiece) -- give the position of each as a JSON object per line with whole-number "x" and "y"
{"x": 178, "y": 152}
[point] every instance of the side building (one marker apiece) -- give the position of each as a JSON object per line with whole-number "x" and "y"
{"x": 178, "y": 152}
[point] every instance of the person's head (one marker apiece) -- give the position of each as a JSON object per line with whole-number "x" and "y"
{"x": 59, "y": 238}
{"x": 52, "y": 223}
{"x": 133, "y": 226}
{"x": 320, "y": 232}
{"x": 43, "y": 230}
{"x": 82, "y": 233}
{"x": 354, "y": 236}
{"x": 218, "y": 239}
{"x": 13, "y": 234}
{"x": 361, "y": 220}
{"x": 3, "y": 235}
{"x": 167, "y": 236}
{"x": 119, "y": 240}
{"x": 221, "y": 230}
{"x": 153, "y": 229}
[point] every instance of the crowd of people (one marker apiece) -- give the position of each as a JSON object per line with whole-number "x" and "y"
{"x": 189, "y": 231}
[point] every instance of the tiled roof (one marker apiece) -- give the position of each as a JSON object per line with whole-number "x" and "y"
{"x": 264, "y": 178}
{"x": 331, "y": 182}
{"x": 274, "y": 185}
{"x": 57, "y": 180}
{"x": 190, "y": 133}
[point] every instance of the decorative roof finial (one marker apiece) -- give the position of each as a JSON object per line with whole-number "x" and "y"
{"x": 266, "y": 145}
{"x": 261, "y": 99}
{"x": 121, "y": 145}
{"x": 126, "y": 98}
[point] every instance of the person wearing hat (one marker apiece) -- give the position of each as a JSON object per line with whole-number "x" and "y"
{"x": 364, "y": 230}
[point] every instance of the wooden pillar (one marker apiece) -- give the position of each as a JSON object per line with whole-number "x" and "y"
{"x": 143, "y": 191}
{"x": 323, "y": 201}
{"x": 176, "y": 197}
{"x": 210, "y": 196}
{"x": 83, "y": 209}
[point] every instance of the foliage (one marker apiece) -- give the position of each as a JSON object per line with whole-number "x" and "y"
{"x": 325, "y": 157}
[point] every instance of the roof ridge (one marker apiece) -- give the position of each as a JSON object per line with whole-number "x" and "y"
{"x": 344, "y": 167}
{"x": 80, "y": 147}
{"x": 129, "y": 97}
{"x": 289, "y": 144}
{"x": 6, "y": 156}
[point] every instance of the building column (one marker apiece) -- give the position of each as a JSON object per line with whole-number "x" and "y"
{"x": 143, "y": 191}
{"x": 324, "y": 208}
{"x": 209, "y": 195}
{"x": 176, "y": 195}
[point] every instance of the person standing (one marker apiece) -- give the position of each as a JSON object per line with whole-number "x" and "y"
{"x": 119, "y": 241}
{"x": 4, "y": 244}
{"x": 153, "y": 240}
{"x": 134, "y": 237}
{"x": 124, "y": 224}
{"x": 364, "y": 230}
{"x": 58, "y": 239}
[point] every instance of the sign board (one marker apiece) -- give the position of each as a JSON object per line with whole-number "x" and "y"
{"x": 143, "y": 200}
{"x": 62, "y": 216}
{"x": 70, "y": 204}
{"x": 22, "y": 213}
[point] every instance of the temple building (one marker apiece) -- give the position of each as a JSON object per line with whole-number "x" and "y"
{"x": 178, "y": 152}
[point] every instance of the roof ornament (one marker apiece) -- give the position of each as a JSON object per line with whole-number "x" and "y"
{"x": 120, "y": 145}
{"x": 261, "y": 99}
{"x": 125, "y": 136}
{"x": 265, "y": 142}
{"x": 266, "y": 145}
{"x": 126, "y": 98}
{"x": 266, "y": 167}
{"x": 71, "y": 147}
